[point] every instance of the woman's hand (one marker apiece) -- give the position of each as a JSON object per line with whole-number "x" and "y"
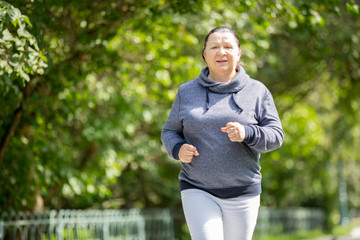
{"x": 187, "y": 152}
{"x": 235, "y": 131}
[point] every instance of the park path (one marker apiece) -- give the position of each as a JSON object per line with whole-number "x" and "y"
{"x": 336, "y": 238}
{"x": 354, "y": 235}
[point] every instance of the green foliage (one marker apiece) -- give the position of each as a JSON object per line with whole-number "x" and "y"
{"x": 89, "y": 135}
{"x": 20, "y": 54}
{"x": 20, "y": 60}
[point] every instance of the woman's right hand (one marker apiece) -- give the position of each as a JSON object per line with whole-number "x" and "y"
{"x": 187, "y": 152}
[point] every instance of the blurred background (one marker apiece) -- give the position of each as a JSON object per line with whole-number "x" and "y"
{"x": 86, "y": 85}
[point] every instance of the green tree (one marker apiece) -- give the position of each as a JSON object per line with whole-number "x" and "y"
{"x": 318, "y": 104}
{"x": 20, "y": 59}
{"x": 90, "y": 121}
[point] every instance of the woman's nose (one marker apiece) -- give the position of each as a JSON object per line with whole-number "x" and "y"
{"x": 221, "y": 51}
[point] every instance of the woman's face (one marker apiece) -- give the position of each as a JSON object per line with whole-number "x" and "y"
{"x": 222, "y": 53}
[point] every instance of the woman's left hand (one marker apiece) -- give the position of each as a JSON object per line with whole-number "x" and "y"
{"x": 235, "y": 131}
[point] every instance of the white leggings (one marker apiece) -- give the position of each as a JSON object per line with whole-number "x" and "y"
{"x": 212, "y": 218}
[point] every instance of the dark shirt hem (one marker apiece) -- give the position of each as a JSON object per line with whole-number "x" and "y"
{"x": 232, "y": 192}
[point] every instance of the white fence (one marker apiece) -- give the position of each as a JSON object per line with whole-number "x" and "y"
{"x": 88, "y": 224}
{"x": 135, "y": 224}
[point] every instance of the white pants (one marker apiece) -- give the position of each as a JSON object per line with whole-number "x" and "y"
{"x": 212, "y": 218}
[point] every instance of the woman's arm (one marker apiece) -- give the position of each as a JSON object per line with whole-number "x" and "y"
{"x": 172, "y": 132}
{"x": 268, "y": 134}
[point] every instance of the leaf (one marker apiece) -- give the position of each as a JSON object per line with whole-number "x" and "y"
{"x": 15, "y": 14}
{"x": 23, "y": 75}
{"x": 352, "y": 8}
{"x": 23, "y": 33}
{"x": 40, "y": 71}
{"x": 20, "y": 44}
{"x": 7, "y": 36}
{"x": 27, "y": 20}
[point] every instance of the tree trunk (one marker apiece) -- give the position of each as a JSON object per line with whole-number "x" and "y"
{"x": 14, "y": 123}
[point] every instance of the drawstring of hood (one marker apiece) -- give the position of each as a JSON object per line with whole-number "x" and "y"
{"x": 231, "y": 87}
{"x": 207, "y": 99}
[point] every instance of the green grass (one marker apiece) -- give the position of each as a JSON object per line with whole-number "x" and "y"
{"x": 302, "y": 235}
{"x": 345, "y": 230}
{"x": 294, "y": 236}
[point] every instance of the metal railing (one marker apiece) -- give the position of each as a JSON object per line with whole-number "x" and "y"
{"x": 131, "y": 224}
{"x": 135, "y": 224}
{"x": 277, "y": 221}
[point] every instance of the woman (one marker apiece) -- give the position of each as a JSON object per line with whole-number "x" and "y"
{"x": 218, "y": 126}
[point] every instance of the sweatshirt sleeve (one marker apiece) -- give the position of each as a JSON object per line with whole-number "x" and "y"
{"x": 172, "y": 132}
{"x": 268, "y": 134}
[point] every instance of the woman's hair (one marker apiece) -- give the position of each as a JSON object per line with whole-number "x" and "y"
{"x": 223, "y": 30}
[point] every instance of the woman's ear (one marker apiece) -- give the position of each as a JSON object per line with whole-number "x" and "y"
{"x": 240, "y": 52}
{"x": 203, "y": 55}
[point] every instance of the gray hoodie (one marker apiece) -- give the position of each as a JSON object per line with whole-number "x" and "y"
{"x": 201, "y": 107}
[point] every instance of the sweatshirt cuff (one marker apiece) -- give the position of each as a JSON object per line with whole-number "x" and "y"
{"x": 176, "y": 149}
{"x": 249, "y": 134}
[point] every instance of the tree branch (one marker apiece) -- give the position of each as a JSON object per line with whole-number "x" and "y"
{"x": 14, "y": 123}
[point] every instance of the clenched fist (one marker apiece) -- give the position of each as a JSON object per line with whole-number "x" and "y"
{"x": 235, "y": 131}
{"x": 187, "y": 152}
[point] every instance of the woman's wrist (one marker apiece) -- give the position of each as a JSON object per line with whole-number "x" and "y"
{"x": 249, "y": 134}
{"x": 176, "y": 150}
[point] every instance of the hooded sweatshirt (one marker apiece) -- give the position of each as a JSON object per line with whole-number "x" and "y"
{"x": 223, "y": 168}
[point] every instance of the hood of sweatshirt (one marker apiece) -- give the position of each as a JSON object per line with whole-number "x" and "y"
{"x": 231, "y": 87}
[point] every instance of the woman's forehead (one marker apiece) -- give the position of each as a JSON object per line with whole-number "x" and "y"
{"x": 221, "y": 37}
